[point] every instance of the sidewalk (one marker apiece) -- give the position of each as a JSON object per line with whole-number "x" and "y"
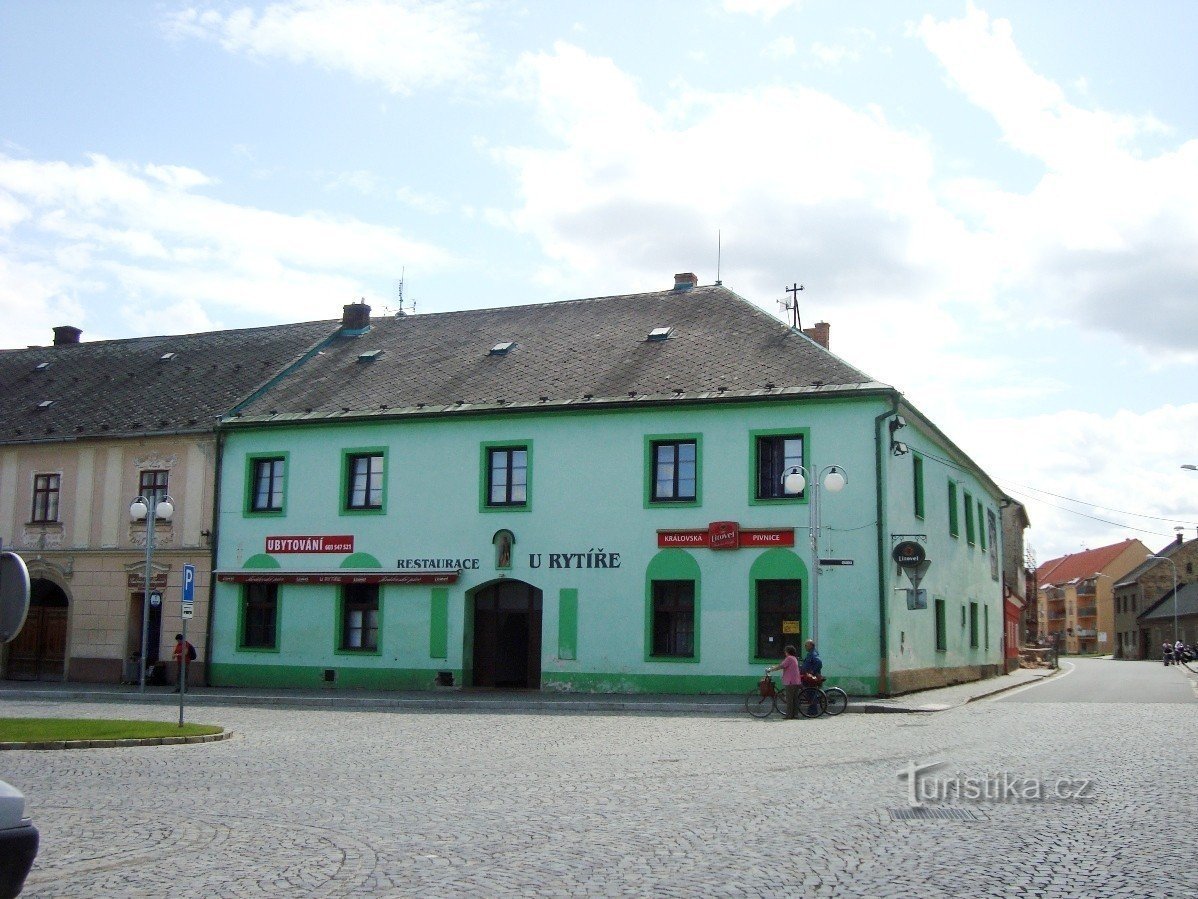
{"x": 455, "y": 700}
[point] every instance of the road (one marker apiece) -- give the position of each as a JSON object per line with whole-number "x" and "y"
{"x": 349, "y": 803}
{"x": 1105, "y": 681}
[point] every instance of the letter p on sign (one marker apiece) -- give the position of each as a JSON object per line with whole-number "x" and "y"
{"x": 189, "y": 583}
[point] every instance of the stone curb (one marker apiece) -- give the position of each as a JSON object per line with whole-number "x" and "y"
{"x": 111, "y": 744}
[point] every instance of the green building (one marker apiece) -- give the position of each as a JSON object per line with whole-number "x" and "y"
{"x": 592, "y": 496}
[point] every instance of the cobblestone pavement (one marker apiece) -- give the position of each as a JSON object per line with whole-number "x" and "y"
{"x": 353, "y": 803}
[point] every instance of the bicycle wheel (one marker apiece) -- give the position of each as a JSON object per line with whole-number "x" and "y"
{"x": 837, "y": 700}
{"x": 757, "y": 705}
{"x": 780, "y": 702}
{"x": 812, "y": 702}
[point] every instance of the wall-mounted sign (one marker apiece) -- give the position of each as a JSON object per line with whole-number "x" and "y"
{"x": 320, "y": 578}
{"x": 908, "y": 553}
{"x": 726, "y": 535}
{"x": 321, "y": 543}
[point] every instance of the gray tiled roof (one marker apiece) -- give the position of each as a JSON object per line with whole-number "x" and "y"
{"x": 110, "y": 388}
{"x": 574, "y": 353}
{"x": 1187, "y": 604}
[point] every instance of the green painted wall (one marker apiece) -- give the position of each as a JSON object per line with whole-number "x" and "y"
{"x": 588, "y": 498}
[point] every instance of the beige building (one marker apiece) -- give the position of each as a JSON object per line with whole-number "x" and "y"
{"x": 85, "y": 428}
{"x": 1075, "y": 595}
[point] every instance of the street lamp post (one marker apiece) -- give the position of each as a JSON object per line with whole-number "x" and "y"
{"x": 1174, "y": 564}
{"x": 794, "y": 480}
{"x": 147, "y": 510}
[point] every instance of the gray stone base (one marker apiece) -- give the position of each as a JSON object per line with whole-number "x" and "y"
{"x": 930, "y": 678}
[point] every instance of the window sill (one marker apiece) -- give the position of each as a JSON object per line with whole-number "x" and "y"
{"x": 267, "y": 649}
{"x": 686, "y": 660}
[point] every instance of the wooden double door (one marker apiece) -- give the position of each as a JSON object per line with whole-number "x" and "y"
{"x": 507, "y": 636}
{"x": 39, "y": 651}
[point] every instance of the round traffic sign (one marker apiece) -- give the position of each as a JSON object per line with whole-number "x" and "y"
{"x": 14, "y": 595}
{"x": 908, "y": 553}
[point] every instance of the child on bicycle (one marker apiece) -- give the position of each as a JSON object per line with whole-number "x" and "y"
{"x": 791, "y": 679}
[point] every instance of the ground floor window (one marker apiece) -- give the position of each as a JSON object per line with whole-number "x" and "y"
{"x": 673, "y": 625}
{"x": 973, "y": 625}
{"x": 941, "y": 630}
{"x": 360, "y": 617}
{"x": 777, "y": 616}
{"x": 260, "y": 616}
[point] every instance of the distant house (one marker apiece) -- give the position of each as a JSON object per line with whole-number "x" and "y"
{"x": 1170, "y": 620}
{"x": 1141, "y": 589}
{"x": 86, "y": 427}
{"x": 1075, "y": 595}
{"x": 1015, "y": 581}
{"x": 592, "y": 495}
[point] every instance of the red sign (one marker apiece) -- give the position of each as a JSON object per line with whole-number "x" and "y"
{"x": 267, "y": 576}
{"x": 726, "y": 535}
{"x": 343, "y": 543}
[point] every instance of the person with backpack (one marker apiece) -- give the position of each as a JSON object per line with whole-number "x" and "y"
{"x": 184, "y": 653}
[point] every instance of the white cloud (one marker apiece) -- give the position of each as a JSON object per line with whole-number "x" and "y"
{"x": 782, "y": 47}
{"x": 830, "y": 57}
{"x": 765, "y": 9}
{"x": 401, "y": 45}
{"x": 140, "y": 234}
{"x": 1125, "y": 462}
{"x": 1107, "y": 237}
{"x": 801, "y": 185}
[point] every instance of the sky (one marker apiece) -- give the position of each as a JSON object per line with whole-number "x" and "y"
{"x": 994, "y": 204}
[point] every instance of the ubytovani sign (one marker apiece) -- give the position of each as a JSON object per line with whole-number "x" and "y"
{"x": 342, "y": 543}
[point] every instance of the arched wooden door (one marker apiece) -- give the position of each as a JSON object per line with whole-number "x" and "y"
{"x": 507, "y": 636}
{"x": 39, "y": 651}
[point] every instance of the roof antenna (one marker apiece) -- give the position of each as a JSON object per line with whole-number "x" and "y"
{"x": 719, "y": 252}
{"x": 402, "y": 310}
{"x": 792, "y": 305}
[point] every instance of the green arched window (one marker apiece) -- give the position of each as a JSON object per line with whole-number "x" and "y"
{"x": 672, "y": 607}
{"x": 777, "y": 599}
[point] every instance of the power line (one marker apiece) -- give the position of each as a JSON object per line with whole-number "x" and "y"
{"x": 1117, "y": 524}
{"x": 1082, "y": 502}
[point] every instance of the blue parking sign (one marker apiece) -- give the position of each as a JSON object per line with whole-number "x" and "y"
{"x": 189, "y": 582}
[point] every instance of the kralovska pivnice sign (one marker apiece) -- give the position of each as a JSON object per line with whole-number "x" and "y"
{"x": 726, "y": 535}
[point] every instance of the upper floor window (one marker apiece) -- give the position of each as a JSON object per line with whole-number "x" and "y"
{"x": 45, "y": 497}
{"x": 970, "y": 534}
{"x": 268, "y": 484}
{"x": 917, "y": 484}
{"x": 675, "y": 471}
{"x": 775, "y": 453}
{"x": 954, "y": 525}
{"x": 364, "y": 474}
{"x": 151, "y": 484}
{"x": 507, "y": 476}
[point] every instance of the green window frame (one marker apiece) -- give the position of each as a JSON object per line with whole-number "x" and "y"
{"x": 771, "y": 453}
{"x": 359, "y": 619}
{"x": 258, "y": 618}
{"x": 986, "y": 626}
{"x": 673, "y": 471}
{"x": 941, "y": 627}
{"x": 266, "y": 485}
{"x": 954, "y": 523}
{"x": 973, "y": 625}
{"x": 505, "y": 476}
{"x": 364, "y": 481}
{"x": 917, "y": 484}
{"x": 970, "y": 534}
{"x": 672, "y": 608}
{"x": 981, "y": 525}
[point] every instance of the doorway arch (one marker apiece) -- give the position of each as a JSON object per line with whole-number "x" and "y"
{"x": 39, "y": 651}
{"x": 506, "y": 627}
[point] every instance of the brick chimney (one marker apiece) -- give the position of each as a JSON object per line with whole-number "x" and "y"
{"x": 685, "y": 281}
{"x": 66, "y": 334}
{"x": 355, "y": 316}
{"x": 820, "y": 333}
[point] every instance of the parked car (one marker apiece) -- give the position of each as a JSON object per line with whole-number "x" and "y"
{"x": 18, "y": 841}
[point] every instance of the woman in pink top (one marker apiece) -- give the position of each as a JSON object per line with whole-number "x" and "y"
{"x": 790, "y": 680}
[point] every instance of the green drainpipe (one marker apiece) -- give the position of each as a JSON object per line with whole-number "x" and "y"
{"x": 880, "y": 450}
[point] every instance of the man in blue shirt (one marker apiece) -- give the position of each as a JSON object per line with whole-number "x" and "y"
{"x": 812, "y": 664}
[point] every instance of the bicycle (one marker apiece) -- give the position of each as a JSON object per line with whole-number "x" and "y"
{"x": 832, "y": 701}
{"x": 766, "y": 698}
